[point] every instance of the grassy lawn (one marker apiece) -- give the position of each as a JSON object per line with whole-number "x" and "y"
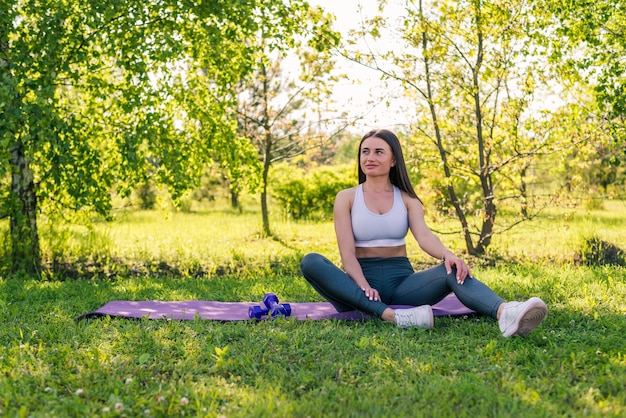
{"x": 52, "y": 365}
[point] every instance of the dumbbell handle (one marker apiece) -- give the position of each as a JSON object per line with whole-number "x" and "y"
{"x": 271, "y": 301}
{"x": 280, "y": 309}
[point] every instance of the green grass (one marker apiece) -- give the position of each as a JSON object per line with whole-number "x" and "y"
{"x": 52, "y": 365}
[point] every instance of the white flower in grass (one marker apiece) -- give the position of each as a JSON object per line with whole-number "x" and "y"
{"x": 119, "y": 407}
{"x": 106, "y": 410}
{"x": 160, "y": 399}
{"x": 129, "y": 380}
{"x": 184, "y": 401}
{"x": 79, "y": 392}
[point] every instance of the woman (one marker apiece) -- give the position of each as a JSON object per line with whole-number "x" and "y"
{"x": 371, "y": 224}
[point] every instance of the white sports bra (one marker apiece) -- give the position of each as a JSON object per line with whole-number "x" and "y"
{"x": 374, "y": 230}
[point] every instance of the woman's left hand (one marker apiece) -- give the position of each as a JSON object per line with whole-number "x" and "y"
{"x": 462, "y": 269}
{"x": 370, "y": 293}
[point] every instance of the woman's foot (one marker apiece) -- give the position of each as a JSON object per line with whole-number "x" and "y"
{"x": 420, "y": 317}
{"x": 519, "y": 318}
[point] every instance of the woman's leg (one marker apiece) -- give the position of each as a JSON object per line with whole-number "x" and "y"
{"x": 430, "y": 286}
{"x": 336, "y": 286}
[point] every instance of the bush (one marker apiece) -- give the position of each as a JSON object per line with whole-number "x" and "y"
{"x": 294, "y": 197}
{"x": 596, "y": 252}
{"x": 310, "y": 195}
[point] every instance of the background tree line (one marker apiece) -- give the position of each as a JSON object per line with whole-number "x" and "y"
{"x": 98, "y": 100}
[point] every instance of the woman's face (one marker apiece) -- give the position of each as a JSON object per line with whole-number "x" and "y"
{"x": 376, "y": 157}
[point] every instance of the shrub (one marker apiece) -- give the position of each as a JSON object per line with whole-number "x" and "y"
{"x": 596, "y": 252}
{"x": 310, "y": 195}
{"x": 293, "y": 196}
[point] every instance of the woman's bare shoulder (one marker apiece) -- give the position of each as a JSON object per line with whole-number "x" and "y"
{"x": 345, "y": 195}
{"x": 412, "y": 202}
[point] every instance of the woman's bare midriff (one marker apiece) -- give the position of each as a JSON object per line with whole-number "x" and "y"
{"x": 382, "y": 252}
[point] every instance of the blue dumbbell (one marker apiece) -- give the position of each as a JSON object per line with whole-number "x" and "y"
{"x": 272, "y": 308}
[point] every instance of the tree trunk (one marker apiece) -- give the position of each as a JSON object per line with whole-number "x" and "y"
{"x": 266, "y": 169}
{"x": 264, "y": 210}
{"x": 25, "y": 251}
{"x": 267, "y": 151}
{"x": 234, "y": 199}
{"x": 453, "y": 198}
{"x": 484, "y": 152}
{"x": 489, "y": 220}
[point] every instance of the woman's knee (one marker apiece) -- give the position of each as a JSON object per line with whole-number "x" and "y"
{"x": 442, "y": 274}
{"x": 311, "y": 262}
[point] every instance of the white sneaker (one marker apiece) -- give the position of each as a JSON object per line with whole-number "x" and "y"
{"x": 519, "y": 318}
{"x": 420, "y": 317}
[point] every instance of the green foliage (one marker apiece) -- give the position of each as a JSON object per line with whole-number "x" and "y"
{"x": 347, "y": 150}
{"x": 110, "y": 96}
{"x": 468, "y": 192}
{"x": 311, "y": 195}
{"x": 276, "y": 104}
{"x": 589, "y": 45}
{"x": 607, "y": 171}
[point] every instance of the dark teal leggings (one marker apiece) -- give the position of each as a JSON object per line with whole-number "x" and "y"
{"x": 397, "y": 284}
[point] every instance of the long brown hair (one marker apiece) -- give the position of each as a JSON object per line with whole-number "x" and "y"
{"x": 398, "y": 174}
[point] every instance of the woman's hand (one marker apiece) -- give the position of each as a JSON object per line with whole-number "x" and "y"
{"x": 370, "y": 293}
{"x": 462, "y": 269}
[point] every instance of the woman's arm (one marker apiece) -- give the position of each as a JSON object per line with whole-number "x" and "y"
{"x": 430, "y": 243}
{"x": 345, "y": 241}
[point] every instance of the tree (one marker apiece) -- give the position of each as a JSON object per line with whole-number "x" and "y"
{"x": 94, "y": 98}
{"x": 587, "y": 42}
{"x": 590, "y": 162}
{"x": 587, "y": 45}
{"x": 273, "y": 107}
{"x": 474, "y": 71}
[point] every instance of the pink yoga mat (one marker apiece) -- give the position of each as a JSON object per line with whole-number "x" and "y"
{"x": 238, "y": 311}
